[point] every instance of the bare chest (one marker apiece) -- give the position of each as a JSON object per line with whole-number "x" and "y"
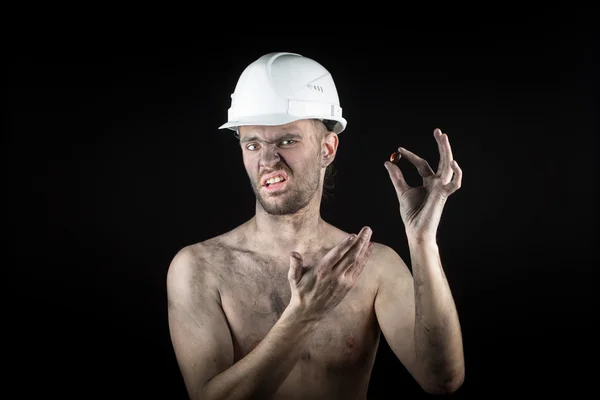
{"x": 255, "y": 293}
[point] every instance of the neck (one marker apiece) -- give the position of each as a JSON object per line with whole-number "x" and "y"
{"x": 282, "y": 234}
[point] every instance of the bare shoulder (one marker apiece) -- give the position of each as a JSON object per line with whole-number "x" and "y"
{"x": 384, "y": 263}
{"x": 387, "y": 264}
{"x": 193, "y": 269}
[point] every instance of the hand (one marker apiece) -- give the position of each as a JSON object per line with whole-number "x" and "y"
{"x": 318, "y": 290}
{"x": 421, "y": 207}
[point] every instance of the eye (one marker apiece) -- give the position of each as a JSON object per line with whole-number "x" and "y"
{"x": 250, "y": 145}
{"x": 290, "y": 141}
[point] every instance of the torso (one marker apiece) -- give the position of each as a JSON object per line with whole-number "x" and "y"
{"x": 254, "y": 291}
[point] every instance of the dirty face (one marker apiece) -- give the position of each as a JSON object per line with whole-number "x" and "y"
{"x": 284, "y": 164}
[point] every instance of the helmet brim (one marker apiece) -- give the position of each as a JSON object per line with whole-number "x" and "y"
{"x": 278, "y": 119}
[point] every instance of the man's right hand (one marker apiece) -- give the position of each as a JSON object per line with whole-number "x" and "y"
{"x": 319, "y": 289}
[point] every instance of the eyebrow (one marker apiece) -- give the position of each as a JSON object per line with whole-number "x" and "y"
{"x": 279, "y": 138}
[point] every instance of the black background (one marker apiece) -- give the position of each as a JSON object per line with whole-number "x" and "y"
{"x": 115, "y": 162}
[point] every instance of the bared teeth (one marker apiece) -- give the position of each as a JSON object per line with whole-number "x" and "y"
{"x": 275, "y": 179}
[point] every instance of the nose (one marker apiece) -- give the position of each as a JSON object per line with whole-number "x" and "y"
{"x": 269, "y": 156}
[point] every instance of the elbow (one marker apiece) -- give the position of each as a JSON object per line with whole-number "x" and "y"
{"x": 447, "y": 383}
{"x": 446, "y": 387}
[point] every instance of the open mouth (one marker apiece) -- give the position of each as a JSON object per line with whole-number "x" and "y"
{"x": 275, "y": 184}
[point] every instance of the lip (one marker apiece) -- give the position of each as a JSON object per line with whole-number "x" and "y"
{"x": 276, "y": 187}
{"x": 263, "y": 181}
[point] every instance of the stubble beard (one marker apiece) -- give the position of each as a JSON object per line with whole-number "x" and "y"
{"x": 293, "y": 199}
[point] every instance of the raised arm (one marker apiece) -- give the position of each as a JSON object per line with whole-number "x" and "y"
{"x": 426, "y": 312}
{"x": 418, "y": 319}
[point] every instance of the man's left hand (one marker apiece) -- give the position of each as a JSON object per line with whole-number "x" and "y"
{"x": 421, "y": 207}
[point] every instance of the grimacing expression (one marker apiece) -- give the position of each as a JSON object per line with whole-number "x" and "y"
{"x": 292, "y": 148}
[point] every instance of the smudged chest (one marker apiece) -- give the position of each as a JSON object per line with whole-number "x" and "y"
{"x": 253, "y": 300}
{"x": 348, "y": 336}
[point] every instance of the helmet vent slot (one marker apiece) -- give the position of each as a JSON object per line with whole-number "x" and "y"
{"x": 315, "y": 87}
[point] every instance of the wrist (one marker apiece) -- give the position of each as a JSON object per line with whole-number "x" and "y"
{"x": 427, "y": 240}
{"x": 297, "y": 314}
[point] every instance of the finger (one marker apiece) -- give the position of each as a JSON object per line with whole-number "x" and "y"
{"x": 421, "y": 164}
{"x": 339, "y": 251}
{"x": 456, "y": 183}
{"x": 437, "y": 134}
{"x": 397, "y": 178}
{"x": 295, "y": 271}
{"x": 445, "y": 170}
{"x": 356, "y": 269}
{"x": 354, "y": 253}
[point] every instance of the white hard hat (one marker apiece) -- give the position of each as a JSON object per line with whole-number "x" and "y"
{"x": 279, "y": 88}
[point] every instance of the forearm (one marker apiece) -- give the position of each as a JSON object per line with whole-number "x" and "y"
{"x": 438, "y": 337}
{"x": 264, "y": 369}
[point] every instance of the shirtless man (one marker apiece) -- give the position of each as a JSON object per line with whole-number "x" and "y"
{"x": 287, "y": 306}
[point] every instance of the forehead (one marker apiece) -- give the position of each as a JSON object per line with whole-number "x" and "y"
{"x": 303, "y": 128}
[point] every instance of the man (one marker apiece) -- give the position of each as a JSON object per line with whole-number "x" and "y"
{"x": 287, "y": 306}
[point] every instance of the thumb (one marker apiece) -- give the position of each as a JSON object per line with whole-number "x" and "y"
{"x": 295, "y": 271}
{"x": 396, "y": 177}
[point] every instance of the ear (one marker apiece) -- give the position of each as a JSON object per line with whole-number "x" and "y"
{"x": 329, "y": 149}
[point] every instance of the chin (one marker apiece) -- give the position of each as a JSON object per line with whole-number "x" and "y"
{"x": 279, "y": 206}
{"x": 280, "y": 210}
